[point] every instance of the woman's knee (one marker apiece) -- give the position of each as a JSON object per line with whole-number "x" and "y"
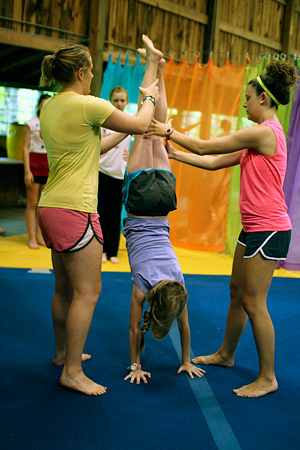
{"x": 93, "y": 293}
{"x": 253, "y": 307}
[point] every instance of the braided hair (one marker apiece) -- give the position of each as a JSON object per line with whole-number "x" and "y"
{"x": 145, "y": 327}
{"x": 166, "y": 300}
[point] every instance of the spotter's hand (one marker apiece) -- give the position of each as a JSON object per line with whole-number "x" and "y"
{"x": 151, "y": 90}
{"x": 158, "y": 128}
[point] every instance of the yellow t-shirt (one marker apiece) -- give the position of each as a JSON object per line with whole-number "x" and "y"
{"x": 70, "y": 126}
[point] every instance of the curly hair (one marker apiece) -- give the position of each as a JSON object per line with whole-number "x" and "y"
{"x": 166, "y": 301}
{"x": 279, "y": 77}
{"x": 59, "y": 68}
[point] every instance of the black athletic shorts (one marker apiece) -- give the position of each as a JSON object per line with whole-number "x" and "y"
{"x": 149, "y": 192}
{"x": 271, "y": 244}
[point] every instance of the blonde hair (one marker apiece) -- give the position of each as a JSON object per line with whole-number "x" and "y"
{"x": 59, "y": 68}
{"x": 166, "y": 300}
{"x": 117, "y": 90}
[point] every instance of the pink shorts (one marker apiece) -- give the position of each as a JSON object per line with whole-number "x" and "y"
{"x": 66, "y": 230}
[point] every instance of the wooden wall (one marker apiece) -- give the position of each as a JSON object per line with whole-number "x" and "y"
{"x": 176, "y": 27}
{"x": 69, "y": 16}
{"x": 179, "y": 27}
{"x": 187, "y": 27}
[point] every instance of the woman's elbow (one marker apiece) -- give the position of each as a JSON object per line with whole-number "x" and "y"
{"x": 199, "y": 150}
{"x": 134, "y": 329}
{"x": 141, "y": 127}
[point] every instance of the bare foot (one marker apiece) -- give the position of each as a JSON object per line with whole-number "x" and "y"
{"x": 151, "y": 51}
{"x": 114, "y": 260}
{"x": 257, "y": 389}
{"x": 104, "y": 258}
{"x": 40, "y": 240}
{"x": 216, "y": 359}
{"x": 58, "y": 362}
{"x": 161, "y": 64}
{"x": 142, "y": 52}
{"x": 33, "y": 245}
{"x": 81, "y": 383}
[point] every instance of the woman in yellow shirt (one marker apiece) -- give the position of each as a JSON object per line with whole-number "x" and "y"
{"x": 70, "y": 126}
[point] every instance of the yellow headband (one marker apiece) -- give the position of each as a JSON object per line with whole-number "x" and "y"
{"x": 267, "y": 90}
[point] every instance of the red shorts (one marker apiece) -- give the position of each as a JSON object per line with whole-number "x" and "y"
{"x": 39, "y": 164}
{"x": 66, "y": 230}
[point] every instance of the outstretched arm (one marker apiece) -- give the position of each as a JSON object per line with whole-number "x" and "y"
{"x": 207, "y": 162}
{"x": 261, "y": 138}
{"x": 110, "y": 141}
{"x": 185, "y": 337}
{"x": 136, "y": 316}
{"x": 138, "y": 124}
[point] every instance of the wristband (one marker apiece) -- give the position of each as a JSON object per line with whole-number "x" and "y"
{"x": 134, "y": 367}
{"x": 151, "y": 98}
{"x": 168, "y": 133}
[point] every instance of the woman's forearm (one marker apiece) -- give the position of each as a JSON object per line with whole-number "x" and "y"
{"x": 207, "y": 162}
{"x": 26, "y": 148}
{"x": 134, "y": 346}
{"x": 190, "y": 143}
{"x": 125, "y": 123}
{"x": 110, "y": 141}
{"x": 26, "y": 160}
{"x": 185, "y": 335}
{"x": 185, "y": 338}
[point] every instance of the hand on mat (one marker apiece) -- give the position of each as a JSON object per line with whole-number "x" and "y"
{"x": 191, "y": 370}
{"x": 158, "y": 128}
{"x": 138, "y": 375}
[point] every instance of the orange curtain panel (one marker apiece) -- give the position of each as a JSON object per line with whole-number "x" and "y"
{"x": 203, "y": 102}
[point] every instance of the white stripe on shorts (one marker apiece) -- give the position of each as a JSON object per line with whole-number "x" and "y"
{"x": 261, "y": 247}
{"x": 86, "y": 238}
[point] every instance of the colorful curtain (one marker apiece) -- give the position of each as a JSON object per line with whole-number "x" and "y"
{"x": 127, "y": 76}
{"x": 204, "y": 102}
{"x": 292, "y": 182}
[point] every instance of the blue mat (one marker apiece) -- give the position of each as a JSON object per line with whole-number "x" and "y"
{"x": 171, "y": 412}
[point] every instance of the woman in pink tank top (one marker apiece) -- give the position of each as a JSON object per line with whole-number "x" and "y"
{"x": 261, "y": 153}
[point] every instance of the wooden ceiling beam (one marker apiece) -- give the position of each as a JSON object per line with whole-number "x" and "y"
{"x": 29, "y": 40}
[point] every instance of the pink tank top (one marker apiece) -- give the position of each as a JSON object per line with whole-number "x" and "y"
{"x": 262, "y": 203}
